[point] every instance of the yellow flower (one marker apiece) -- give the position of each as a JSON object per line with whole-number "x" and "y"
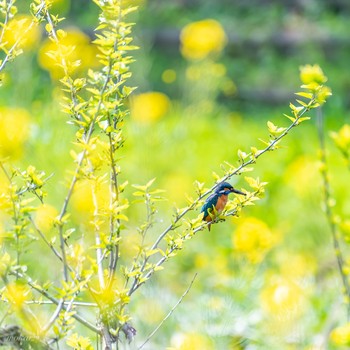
{"x": 282, "y": 296}
{"x": 5, "y": 262}
{"x": 16, "y": 294}
{"x": 83, "y": 201}
{"x": 149, "y": 107}
{"x": 201, "y": 261}
{"x": 202, "y": 38}
{"x": 341, "y": 335}
{"x": 312, "y": 74}
{"x": 128, "y": 3}
{"x": 21, "y": 28}
{"x": 253, "y": 238}
{"x": 296, "y": 265}
{"x": 192, "y": 341}
{"x": 14, "y": 131}
{"x": 345, "y": 229}
{"x": 177, "y": 184}
{"x": 59, "y": 6}
{"x": 342, "y": 138}
{"x": 77, "y": 342}
{"x": 45, "y": 217}
{"x": 304, "y": 171}
{"x": 153, "y": 309}
{"x": 74, "y": 46}
{"x": 169, "y": 76}
{"x": 323, "y": 93}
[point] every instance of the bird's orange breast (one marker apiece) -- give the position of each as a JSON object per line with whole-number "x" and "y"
{"x": 222, "y": 201}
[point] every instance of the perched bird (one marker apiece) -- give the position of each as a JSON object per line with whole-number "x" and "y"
{"x": 218, "y": 201}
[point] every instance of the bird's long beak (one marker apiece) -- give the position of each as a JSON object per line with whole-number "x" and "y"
{"x": 238, "y": 192}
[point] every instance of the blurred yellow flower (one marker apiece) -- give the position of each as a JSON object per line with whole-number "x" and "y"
{"x": 82, "y": 199}
{"x": 228, "y": 87}
{"x": 253, "y": 239}
{"x": 59, "y": 6}
{"x": 21, "y": 28}
{"x": 305, "y": 172}
{"x": 149, "y": 107}
{"x": 323, "y": 93}
{"x": 345, "y": 229}
{"x": 201, "y": 261}
{"x": 342, "y": 138}
{"x": 341, "y": 335}
{"x": 45, "y": 217}
{"x": 192, "y": 341}
{"x": 218, "y": 70}
{"x": 5, "y": 262}
{"x": 282, "y": 296}
{"x": 296, "y": 265}
{"x": 14, "y": 131}
{"x": 16, "y": 294}
{"x": 177, "y": 185}
{"x": 169, "y": 76}
{"x": 2, "y": 230}
{"x": 74, "y": 46}
{"x": 77, "y": 342}
{"x": 153, "y": 309}
{"x": 128, "y": 3}
{"x": 202, "y": 38}
{"x": 312, "y": 74}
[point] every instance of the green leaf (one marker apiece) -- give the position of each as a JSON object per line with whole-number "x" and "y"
{"x": 307, "y": 95}
{"x": 151, "y": 252}
{"x": 290, "y": 118}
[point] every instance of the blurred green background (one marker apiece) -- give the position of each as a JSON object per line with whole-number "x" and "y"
{"x": 266, "y": 280}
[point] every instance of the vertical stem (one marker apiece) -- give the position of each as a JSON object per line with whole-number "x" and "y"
{"x": 99, "y": 256}
{"x": 114, "y": 198}
{"x": 329, "y": 212}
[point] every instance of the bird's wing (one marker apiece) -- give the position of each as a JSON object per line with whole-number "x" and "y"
{"x": 208, "y": 205}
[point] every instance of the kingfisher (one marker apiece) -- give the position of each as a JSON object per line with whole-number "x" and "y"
{"x": 217, "y": 200}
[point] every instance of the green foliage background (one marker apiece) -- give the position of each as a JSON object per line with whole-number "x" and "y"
{"x": 268, "y": 41}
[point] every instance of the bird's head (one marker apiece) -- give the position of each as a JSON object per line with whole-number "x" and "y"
{"x": 226, "y": 188}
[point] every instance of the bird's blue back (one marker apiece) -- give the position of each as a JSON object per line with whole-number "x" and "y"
{"x": 209, "y": 203}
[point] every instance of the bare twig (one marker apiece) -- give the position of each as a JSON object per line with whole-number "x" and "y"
{"x": 329, "y": 212}
{"x": 114, "y": 256}
{"x": 48, "y": 302}
{"x": 43, "y": 237}
{"x": 168, "y": 314}
{"x": 99, "y": 257}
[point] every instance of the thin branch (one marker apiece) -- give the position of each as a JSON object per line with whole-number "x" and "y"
{"x": 7, "y": 17}
{"x": 168, "y": 314}
{"x": 329, "y": 212}
{"x": 237, "y": 171}
{"x": 48, "y": 302}
{"x": 228, "y": 176}
{"x": 55, "y": 301}
{"x": 146, "y": 226}
{"x": 54, "y": 316}
{"x": 99, "y": 255}
{"x": 14, "y": 46}
{"x": 5, "y": 172}
{"x": 52, "y": 248}
{"x": 114, "y": 198}
{"x": 114, "y": 256}
{"x": 65, "y": 204}
{"x": 175, "y": 247}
